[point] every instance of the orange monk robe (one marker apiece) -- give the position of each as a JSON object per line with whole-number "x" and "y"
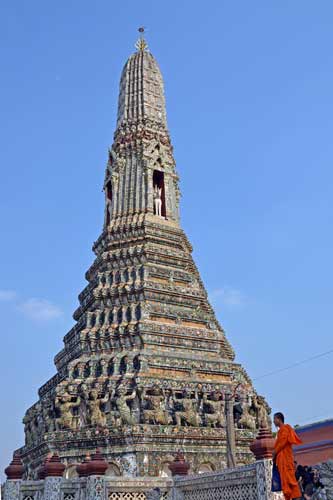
{"x": 286, "y": 438}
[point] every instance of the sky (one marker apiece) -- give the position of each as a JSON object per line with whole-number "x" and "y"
{"x": 250, "y": 111}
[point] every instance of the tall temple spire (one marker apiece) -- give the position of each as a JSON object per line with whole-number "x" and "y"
{"x": 141, "y": 177}
{"x": 141, "y": 88}
{"x": 147, "y": 365}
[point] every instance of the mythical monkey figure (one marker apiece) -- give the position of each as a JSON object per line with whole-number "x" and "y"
{"x": 260, "y": 408}
{"x": 190, "y": 413}
{"x": 32, "y": 422}
{"x": 96, "y": 415}
{"x": 156, "y": 413}
{"x": 215, "y": 416}
{"x": 247, "y": 421}
{"x": 48, "y": 415}
{"x": 123, "y": 408}
{"x": 64, "y": 405}
{"x": 28, "y": 429}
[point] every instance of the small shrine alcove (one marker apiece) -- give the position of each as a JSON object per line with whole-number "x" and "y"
{"x": 159, "y": 193}
{"x": 108, "y": 194}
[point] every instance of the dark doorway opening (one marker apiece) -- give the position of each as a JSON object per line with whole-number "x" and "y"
{"x": 108, "y": 190}
{"x": 158, "y": 183}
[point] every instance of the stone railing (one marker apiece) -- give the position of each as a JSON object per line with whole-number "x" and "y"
{"x": 250, "y": 482}
{"x": 90, "y": 488}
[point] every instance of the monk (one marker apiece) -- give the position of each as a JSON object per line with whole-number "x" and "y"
{"x": 284, "y": 458}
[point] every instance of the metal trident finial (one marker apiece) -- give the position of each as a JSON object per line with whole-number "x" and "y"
{"x": 141, "y": 44}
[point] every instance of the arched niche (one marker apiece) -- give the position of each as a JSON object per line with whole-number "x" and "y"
{"x": 205, "y": 467}
{"x": 137, "y": 312}
{"x": 111, "y": 367}
{"x": 92, "y": 320}
{"x": 70, "y": 472}
{"x": 123, "y": 365}
{"x": 101, "y": 318}
{"x": 108, "y": 195}
{"x": 113, "y": 470}
{"x": 128, "y": 314}
{"x": 120, "y": 315}
{"x": 87, "y": 370}
{"x": 136, "y": 363}
{"x": 76, "y": 372}
{"x": 99, "y": 369}
{"x": 164, "y": 470}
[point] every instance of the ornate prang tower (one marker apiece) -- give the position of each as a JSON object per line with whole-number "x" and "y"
{"x": 147, "y": 369}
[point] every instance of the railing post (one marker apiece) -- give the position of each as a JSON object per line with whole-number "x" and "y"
{"x": 52, "y": 488}
{"x": 96, "y": 488}
{"x": 95, "y": 471}
{"x": 12, "y": 489}
{"x": 14, "y": 473}
{"x": 264, "y": 479}
{"x": 175, "y": 493}
{"x": 52, "y": 471}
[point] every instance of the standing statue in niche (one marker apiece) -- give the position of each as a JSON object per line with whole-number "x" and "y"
{"x": 108, "y": 199}
{"x": 158, "y": 200}
{"x": 108, "y": 209}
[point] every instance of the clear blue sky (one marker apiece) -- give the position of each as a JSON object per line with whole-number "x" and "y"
{"x": 249, "y": 101}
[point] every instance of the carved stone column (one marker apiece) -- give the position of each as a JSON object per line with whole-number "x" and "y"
{"x": 264, "y": 481}
{"x": 231, "y": 439}
{"x": 53, "y": 471}
{"x": 52, "y": 488}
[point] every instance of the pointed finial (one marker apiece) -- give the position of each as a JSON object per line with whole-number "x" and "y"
{"x": 141, "y": 44}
